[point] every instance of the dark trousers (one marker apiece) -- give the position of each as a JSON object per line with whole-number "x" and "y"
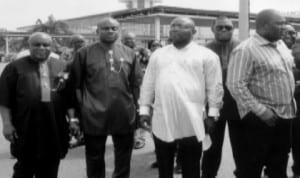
{"x": 266, "y": 146}
{"x": 212, "y": 157}
{"x": 38, "y": 168}
{"x": 296, "y": 145}
{"x": 95, "y": 150}
{"x": 189, "y": 149}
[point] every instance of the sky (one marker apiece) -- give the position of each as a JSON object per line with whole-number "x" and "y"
{"x": 17, "y": 13}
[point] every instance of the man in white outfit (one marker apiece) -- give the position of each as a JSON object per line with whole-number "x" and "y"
{"x": 180, "y": 80}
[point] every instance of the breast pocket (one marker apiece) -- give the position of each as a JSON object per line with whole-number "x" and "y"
{"x": 95, "y": 71}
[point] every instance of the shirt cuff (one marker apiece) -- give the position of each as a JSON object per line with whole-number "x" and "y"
{"x": 145, "y": 110}
{"x": 260, "y": 110}
{"x": 213, "y": 112}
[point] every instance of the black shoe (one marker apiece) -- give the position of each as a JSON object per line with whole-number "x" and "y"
{"x": 154, "y": 165}
{"x": 177, "y": 169}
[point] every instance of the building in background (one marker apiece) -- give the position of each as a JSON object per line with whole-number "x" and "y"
{"x": 150, "y": 22}
{"x": 153, "y": 22}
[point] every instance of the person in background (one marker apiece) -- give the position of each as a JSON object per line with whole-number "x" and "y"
{"x": 108, "y": 77}
{"x": 77, "y": 41}
{"x": 289, "y": 36}
{"x": 129, "y": 40}
{"x": 260, "y": 79}
{"x": 154, "y": 45}
{"x": 222, "y": 45}
{"x": 33, "y": 110}
{"x": 179, "y": 79}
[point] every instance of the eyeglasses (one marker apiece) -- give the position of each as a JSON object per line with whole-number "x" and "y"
{"x": 41, "y": 45}
{"x": 291, "y": 33}
{"x": 226, "y": 27}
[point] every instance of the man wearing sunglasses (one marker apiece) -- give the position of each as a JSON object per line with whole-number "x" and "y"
{"x": 33, "y": 112}
{"x": 223, "y": 44}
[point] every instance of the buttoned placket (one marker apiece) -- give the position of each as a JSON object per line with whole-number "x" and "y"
{"x": 289, "y": 74}
{"x": 45, "y": 82}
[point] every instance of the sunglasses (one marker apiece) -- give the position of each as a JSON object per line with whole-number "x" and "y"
{"x": 226, "y": 27}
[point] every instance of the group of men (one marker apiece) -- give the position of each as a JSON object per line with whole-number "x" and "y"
{"x": 188, "y": 92}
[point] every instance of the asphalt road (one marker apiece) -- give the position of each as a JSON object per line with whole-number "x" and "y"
{"x": 74, "y": 164}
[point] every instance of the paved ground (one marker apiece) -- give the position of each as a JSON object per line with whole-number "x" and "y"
{"x": 74, "y": 165}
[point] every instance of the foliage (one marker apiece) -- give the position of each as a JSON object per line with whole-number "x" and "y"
{"x": 52, "y": 27}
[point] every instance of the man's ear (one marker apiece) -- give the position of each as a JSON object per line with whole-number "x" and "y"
{"x": 194, "y": 30}
{"x": 212, "y": 28}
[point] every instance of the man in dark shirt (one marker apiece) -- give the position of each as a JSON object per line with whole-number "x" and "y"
{"x": 289, "y": 36}
{"x": 33, "y": 111}
{"x": 129, "y": 40}
{"x": 108, "y": 77}
{"x": 223, "y": 44}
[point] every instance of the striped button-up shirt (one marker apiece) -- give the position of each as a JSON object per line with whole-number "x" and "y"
{"x": 260, "y": 77}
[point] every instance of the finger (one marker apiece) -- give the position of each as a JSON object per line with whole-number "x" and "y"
{"x": 146, "y": 126}
{"x": 271, "y": 123}
{"x": 9, "y": 137}
{"x": 15, "y": 135}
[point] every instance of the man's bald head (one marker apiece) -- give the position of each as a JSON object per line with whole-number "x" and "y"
{"x": 109, "y": 20}
{"x": 188, "y": 22}
{"x": 128, "y": 39}
{"x": 77, "y": 41}
{"x": 108, "y": 30}
{"x": 269, "y": 24}
{"x": 39, "y": 36}
{"x": 40, "y": 44}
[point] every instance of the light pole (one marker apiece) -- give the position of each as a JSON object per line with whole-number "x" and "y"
{"x": 244, "y": 19}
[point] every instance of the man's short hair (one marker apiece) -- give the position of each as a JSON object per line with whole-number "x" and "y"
{"x": 221, "y": 17}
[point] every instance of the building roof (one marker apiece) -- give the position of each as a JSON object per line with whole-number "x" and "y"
{"x": 167, "y": 10}
{"x": 171, "y": 10}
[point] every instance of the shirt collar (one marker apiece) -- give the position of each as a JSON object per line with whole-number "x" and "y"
{"x": 188, "y": 46}
{"x": 264, "y": 42}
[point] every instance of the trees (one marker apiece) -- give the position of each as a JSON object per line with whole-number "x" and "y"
{"x": 52, "y": 27}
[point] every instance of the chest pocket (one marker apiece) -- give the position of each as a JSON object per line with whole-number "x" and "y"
{"x": 266, "y": 66}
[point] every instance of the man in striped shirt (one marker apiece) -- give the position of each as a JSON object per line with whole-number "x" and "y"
{"x": 260, "y": 78}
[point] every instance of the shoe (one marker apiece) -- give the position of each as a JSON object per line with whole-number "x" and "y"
{"x": 139, "y": 143}
{"x": 177, "y": 169}
{"x": 154, "y": 165}
{"x": 296, "y": 176}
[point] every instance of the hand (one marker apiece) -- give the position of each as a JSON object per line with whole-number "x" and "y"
{"x": 10, "y": 133}
{"x": 209, "y": 124}
{"x": 74, "y": 128}
{"x": 269, "y": 117}
{"x": 144, "y": 122}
